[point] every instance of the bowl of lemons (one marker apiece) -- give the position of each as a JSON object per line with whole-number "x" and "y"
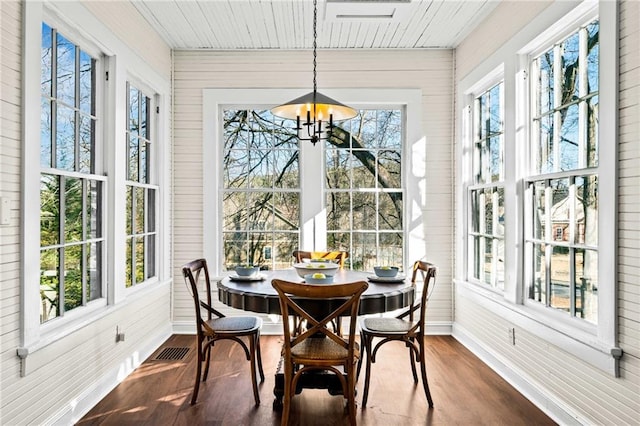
{"x": 318, "y": 278}
{"x": 386, "y": 271}
{"x": 327, "y": 268}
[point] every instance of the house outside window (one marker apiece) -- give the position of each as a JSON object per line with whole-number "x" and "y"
{"x": 141, "y": 231}
{"x": 561, "y": 251}
{"x": 71, "y": 186}
{"x": 486, "y": 192}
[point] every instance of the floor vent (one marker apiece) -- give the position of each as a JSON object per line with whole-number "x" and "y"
{"x": 171, "y": 354}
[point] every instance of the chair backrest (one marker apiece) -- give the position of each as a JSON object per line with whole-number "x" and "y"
{"x": 289, "y": 306}
{"x": 340, "y": 256}
{"x": 194, "y": 273}
{"x": 428, "y": 273}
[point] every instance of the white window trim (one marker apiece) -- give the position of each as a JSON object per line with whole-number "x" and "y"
{"x": 215, "y": 100}
{"x": 75, "y": 22}
{"x": 596, "y": 345}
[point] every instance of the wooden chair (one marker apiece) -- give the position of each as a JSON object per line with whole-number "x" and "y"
{"x": 212, "y": 329}
{"x": 319, "y": 347}
{"x": 402, "y": 329}
{"x": 339, "y": 256}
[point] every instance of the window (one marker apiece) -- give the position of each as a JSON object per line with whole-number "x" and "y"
{"x": 486, "y": 193}
{"x": 263, "y": 202}
{"x": 563, "y": 187}
{"x": 71, "y": 186}
{"x": 141, "y": 233}
{"x": 559, "y": 182}
{"x": 363, "y": 186}
{"x": 261, "y": 190}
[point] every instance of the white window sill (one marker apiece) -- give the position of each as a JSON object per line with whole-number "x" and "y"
{"x": 579, "y": 342}
{"x": 75, "y": 321}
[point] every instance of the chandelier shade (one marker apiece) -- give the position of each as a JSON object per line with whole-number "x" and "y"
{"x": 325, "y": 108}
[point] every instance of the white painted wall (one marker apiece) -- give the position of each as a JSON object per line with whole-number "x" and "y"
{"x": 65, "y": 378}
{"x": 569, "y": 389}
{"x": 430, "y": 71}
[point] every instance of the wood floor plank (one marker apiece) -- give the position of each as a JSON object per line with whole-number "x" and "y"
{"x": 464, "y": 390}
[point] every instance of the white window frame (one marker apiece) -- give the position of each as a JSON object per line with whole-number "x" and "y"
{"x": 312, "y": 212}
{"x": 595, "y": 344}
{"x": 121, "y": 63}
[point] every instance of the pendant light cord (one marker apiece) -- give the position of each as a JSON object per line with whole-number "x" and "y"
{"x": 315, "y": 45}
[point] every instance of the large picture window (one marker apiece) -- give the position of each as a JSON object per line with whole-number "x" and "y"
{"x": 262, "y": 198}
{"x": 71, "y": 189}
{"x": 562, "y": 220}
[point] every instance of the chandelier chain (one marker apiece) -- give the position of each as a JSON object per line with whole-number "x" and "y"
{"x": 315, "y": 43}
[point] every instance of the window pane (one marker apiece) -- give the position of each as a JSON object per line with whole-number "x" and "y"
{"x": 86, "y": 136}
{"x": 499, "y": 226}
{"x": 49, "y": 210}
{"x": 546, "y": 82}
{"x": 133, "y": 157}
{"x": 475, "y": 241}
{"x": 569, "y": 139}
{"x": 65, "y": 138}
{"x": 45, "y": 133}
{"x": 87, "y": 78}
{"x": 73, "y": 210}
{"x": 545, "y": 147}
{"x": 586, "y": 220}
{"x": 140, "y": 210}
{"x": 66, "y": 71}
{"x": 144, "y": 117}
{"x": 142, "y": 174}
{"x": 570, "y": 50}
{"x": 488, "y": 211}
{"x": 487, "y": 257}
{"x": 129, "y": 211}
{"x": 151, "y": 213}
{"x": 390, "y": 210}
{"x": 539, "y": 291}
{"x": 390, "y": 249}
{"x": 539, "y": 210}
{"x": 73, "y": 277}
{"x": 338, "y": 210}
{"x": 560, "y": 284}
{"x": 368, "y": 130}
{"x": 338, "y": 170}
{"x": 284, "y": 245}
{"x": 140, "y": 255}
{"x": 586, "y": 280}
{"x": 93, "y": 205}
{"x": 390, "y": 129}
{"x": 287, "y": 210}
{"x": 134, "y": 111}
{"x": 390, "y": 169}
{"x": 46, "y": 60}
{"x": 364, "y": 210}
{"x": 593, "y": 57}
{"x": 260, "y": 169}
{"x": 94, "y": 266}
{"x": 129, "y": 262}
{"x": 592, "y": 131}
{"x": 49, "y": 284}
{"x": 475, "y": 211}
{"x": 364, "y": 254}
{"x": 287, "y": 167}
{"x": 150, "y": 267}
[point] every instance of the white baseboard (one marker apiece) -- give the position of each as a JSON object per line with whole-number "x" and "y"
{"x": 554, "y": 408}
{"x": 75, "y": 409}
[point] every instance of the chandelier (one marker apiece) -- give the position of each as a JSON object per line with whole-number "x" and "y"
{"x": 314, "y": 110}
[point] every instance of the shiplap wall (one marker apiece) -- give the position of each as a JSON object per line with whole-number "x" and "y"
{"x": 430, "y": 71}
{"x": 584, "y": 392}
{"x": 68, "y": 376}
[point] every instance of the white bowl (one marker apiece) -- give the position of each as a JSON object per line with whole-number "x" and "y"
{"x": 328, "y": 279}
{"x": 247, "y": 271}
{"x": 386, "y": 271}
{"x": 329, "y": 269}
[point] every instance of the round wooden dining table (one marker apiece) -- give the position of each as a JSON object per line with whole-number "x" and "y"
{"x": 257, "y": 295}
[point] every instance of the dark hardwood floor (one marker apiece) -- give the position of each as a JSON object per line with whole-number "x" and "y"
{"x": 464, "y": 390}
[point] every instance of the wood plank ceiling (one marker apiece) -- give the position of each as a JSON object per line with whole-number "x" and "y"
{"x": 288, "y": 24}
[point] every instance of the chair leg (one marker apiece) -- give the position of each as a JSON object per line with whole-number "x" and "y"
{"x": 196, "y": 386}
{"x": 413, "y": 358}
{"x": 259, "y": 354}
{"x": 351, "y": 400}
{"x": 208, "y": 358}
{"x": 423, "y": 370}
{"x": 367, "y": 344}
{"x": 252, "y": 360}
{"x": 286, "y": 406}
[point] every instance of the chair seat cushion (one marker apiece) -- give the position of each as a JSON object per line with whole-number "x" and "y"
{"x": 234, "y": 323}
{"x": 387, "y": 325}
{"x": 321, "y": 349}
